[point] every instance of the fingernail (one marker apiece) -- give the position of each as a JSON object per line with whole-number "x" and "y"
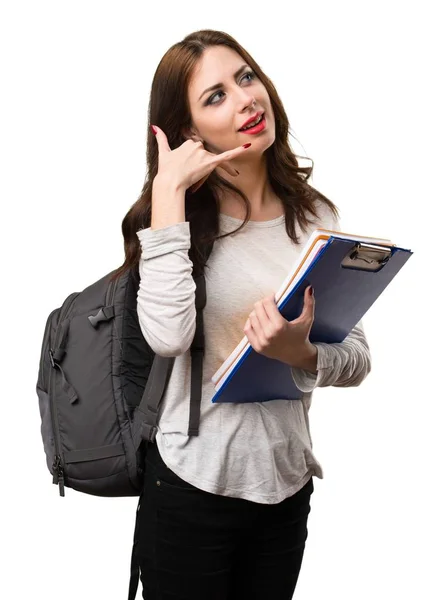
{"x": 154, "y": 130}
{"x": 311, "y": 291}
{"x": 247, "y": 145}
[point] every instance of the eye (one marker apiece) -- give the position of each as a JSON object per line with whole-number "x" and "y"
{"x": 251, "y": 74}
{"x": 209, "y": 101}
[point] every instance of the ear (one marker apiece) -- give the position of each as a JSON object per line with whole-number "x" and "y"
{"x": 190, "y": 134}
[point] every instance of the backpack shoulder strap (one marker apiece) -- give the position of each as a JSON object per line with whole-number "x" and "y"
{"x": 197, "y": 350}
{"x": 161, "y": 372}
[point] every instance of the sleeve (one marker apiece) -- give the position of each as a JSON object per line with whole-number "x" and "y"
{"x": 166, "y": 296}
{"x": 345, "y": 364}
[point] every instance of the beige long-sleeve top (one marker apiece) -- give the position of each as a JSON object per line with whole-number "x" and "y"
{"x": 259, "y": 451}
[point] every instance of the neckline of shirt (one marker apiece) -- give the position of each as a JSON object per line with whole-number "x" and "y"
{"x": 252, "y": 224}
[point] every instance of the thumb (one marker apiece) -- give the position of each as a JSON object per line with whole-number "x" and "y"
{"x": 307, "y": 313}
{"x": 162, "y": 140}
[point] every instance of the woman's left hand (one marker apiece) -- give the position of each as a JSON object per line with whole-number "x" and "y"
{"x": 275, "y": 337}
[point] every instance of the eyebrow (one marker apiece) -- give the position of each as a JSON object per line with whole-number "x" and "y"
{"x": 218, "y": 85}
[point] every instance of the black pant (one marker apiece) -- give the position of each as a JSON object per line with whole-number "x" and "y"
{"x": 194, "y": 545}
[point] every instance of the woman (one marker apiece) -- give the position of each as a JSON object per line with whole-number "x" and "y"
{"x": 223, "y": 515}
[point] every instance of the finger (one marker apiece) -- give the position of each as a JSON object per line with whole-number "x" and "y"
{"x": 228, "y": 168}
{"x": 308, "y": 305}
{"x": 252, "y": 331}
{"x": 228, "y": 154}
{"x": 258, "y": 327}
{"x": 162, "y": 140}
{"x": 250, "y": 334}
{"x": 261, "y": 315}
{"x": 194, "y": 188}
{"x": 272, "y": 311}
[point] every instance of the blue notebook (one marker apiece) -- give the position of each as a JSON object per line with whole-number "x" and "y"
{"x": 347, "y": 276}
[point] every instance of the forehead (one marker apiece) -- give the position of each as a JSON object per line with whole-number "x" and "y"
{"x": 216, "y": 64}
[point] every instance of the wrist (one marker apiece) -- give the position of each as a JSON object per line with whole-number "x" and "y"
{"x": 162, "y": 182}
{"x": 307, "y": 359}
{"x": 167, "y": 202}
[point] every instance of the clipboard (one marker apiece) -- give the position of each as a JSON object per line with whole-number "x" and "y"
{"x": 348, "y": 276}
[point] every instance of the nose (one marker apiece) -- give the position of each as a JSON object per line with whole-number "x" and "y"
{"x": 248, "y": 102}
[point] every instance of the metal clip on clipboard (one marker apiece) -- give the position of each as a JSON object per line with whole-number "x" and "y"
{"x": 366, "y": 257}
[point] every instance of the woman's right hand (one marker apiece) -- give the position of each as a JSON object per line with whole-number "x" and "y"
{"x": 190, "y": 164}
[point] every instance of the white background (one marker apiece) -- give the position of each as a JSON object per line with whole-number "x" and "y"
{"x": 362, "y": 84}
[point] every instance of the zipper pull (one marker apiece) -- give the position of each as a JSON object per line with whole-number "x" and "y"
{"x": 55, "y": 468}
{"x": 58, "y": 474}
{"x": 61, "y": 482}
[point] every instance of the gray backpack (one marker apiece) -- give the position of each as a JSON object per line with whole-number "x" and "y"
{"x": 100, "y": 387}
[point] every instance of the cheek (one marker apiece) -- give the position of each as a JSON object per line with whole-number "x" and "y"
{"x": 222, "y": 121}
{"x": 219, "y": 131}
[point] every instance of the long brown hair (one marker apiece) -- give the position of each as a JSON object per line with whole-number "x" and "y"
{"x": 169, "y": 109}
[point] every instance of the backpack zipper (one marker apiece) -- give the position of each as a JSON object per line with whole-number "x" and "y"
{"x": 58, "y": 470}
{"x": 58, "y": 474}
{"x": 58, "y": 464}
{"x": 48, "y": 326}
{"x": 111, "y": 292}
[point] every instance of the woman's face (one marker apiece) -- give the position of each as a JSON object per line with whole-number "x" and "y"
{"x": 218, "y": 114}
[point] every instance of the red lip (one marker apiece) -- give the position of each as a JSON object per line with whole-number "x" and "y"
{"x": 249, "y": 121}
